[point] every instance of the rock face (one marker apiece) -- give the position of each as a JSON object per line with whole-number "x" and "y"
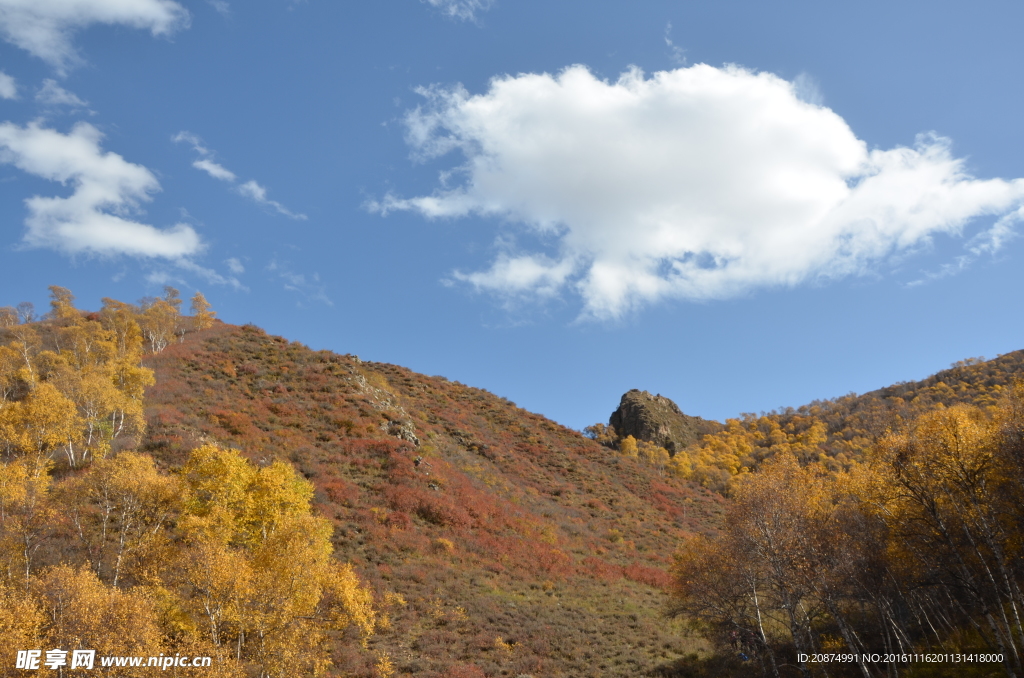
{"x": 657, "y": 419}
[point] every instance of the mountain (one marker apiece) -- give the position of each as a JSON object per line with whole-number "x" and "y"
{"x": 520, "y": 547}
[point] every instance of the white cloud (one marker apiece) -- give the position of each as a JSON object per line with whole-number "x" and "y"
{"x": 461, "y": 9}
{"x": 214, "y": 170}
{"x": 211, "y": 276}
{"x": 696, "y": 183}
{"x": 52, "y": 94}
{"x": 675, "y": 53}
{"x": 169, "y": 274}
{"x": 95, "y": 218}
{"x": 8, "y": 87}
{"x": 45, "y": 27}
{"x": 258, "y": 194}
{"x": 310, "y": 287}
{"x": 250, "y": 189}
{"x": 806, "y": 89}
{"x": 221, "y": 6}
{"x": 235, "y": 266}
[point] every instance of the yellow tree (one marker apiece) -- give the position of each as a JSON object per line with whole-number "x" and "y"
{"x": 202, "y": 316}
{"x": 159, "y": 322}
{"x": 27, "y": 516}
{"x": 8, "y": 316}
{"x": 120, "y": 509}
{"x": 26, "y": 345}
{"x": 62, "y": 305}
{"x": 948, "y": 514}
{"x": 80, "y": 612}
{"x": 270, "y": 587}
{"x": 21, "y": 624}
{"x": 44, "y": 422}
{"x": 10, "y": 363}
{"x": 120, "y": 318}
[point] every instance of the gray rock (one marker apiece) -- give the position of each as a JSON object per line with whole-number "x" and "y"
{"x": 658, "y": 420}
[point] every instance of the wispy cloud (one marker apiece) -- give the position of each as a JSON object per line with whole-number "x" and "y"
{"x": 221, "y": 6}
{"x": 986, "y": 243}
{"x": 51, "y": 94}
{"x": 8, "y": 87}
{"x": 214, "y": 170}
{"x": 696, "y": 183}
{"x": 211, "y": 276}
{"x": 461, "y": 9}
{"x": 250, "y": 189}
{"x": 45, "y": 28}
{"x": 96, "y": 217}
{"x": 307, "y": 285}
{"x": 675, "y": 53}
{"x": 258, "y": 194}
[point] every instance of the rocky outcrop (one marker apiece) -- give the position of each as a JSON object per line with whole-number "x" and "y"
{"x": 658, "y": 420}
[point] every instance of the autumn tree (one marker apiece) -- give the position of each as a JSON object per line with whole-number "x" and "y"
{"x": 26, "y": 312}
{"x": 954, "y": 510}
{"x": 8, "y": 317}
{"x": 159, "y": 322}
{"x": 917, "y": 549}
{"x": 80, "y": 612}
{"x": 71, "y": 384}
{"x": 223, "y": 557}
{"x": 262, "y": 565}
{"x": 27, "y": 517}
{"x": 120, "y": 510}
{"x": 62, "y": 304}
{"x": 202, "y": 316}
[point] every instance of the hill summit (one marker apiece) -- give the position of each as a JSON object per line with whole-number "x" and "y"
{"x": 658, "y": 420}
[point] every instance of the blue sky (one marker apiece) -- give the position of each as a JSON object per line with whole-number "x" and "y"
{"x": 739, "y": 205}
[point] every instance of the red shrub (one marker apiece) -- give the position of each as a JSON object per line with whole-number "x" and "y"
{"x": 651, "y": 576}
{"x": 399, "y": 520}
{"x": 341, "y": 491}
{"x": 430, "y": 505}
{"x": 601, "y": 569}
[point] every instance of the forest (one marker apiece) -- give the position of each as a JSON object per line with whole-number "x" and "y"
{"x": 102, "y": 550}
{"x": 171, "y": 484}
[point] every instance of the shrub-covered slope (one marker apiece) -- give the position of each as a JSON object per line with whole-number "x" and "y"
{"x": 520, "y": 547}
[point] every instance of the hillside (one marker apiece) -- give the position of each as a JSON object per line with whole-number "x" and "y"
{"x": 292, "y": 505}
{"x": 520, "y": 546}
{"x": 836, "y": 433}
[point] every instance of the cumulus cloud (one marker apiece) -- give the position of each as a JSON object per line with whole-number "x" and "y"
{"x": 696, "y": 183}
{"x": 250, "y": 189}
{"x": 107, "y": 190}
{"x": 45, "y": 28}
{"x": 8, "y": 87}
{"x": 52, "y": 94}
{"x": 461, "y": 9}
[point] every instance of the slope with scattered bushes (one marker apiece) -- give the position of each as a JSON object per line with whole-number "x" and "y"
{"x": 520, "y": 547}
